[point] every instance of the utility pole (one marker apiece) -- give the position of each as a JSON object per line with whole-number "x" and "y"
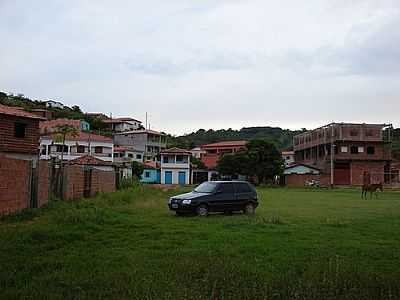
{"x": 146, "y": 120}
{"x": 332, "y": 157}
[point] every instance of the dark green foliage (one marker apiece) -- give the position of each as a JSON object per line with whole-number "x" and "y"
{"x": 234, "y": 164}
{"x": 282, "y": 138}
{"x": 265, "y": 161}
{"x": 261, "y": 159}
{"x": 197, "y": 163}
{"x": 137, "y": 169}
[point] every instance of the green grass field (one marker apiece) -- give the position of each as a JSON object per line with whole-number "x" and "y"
{"x": 302, "y": 244}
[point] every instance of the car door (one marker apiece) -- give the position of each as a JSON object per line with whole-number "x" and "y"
{"x": 243, "y": 194}
{"x": 224, "y": 197}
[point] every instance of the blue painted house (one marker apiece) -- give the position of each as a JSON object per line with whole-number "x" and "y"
{"x": 175, "y": 166}
{"x": 151, "y": 173}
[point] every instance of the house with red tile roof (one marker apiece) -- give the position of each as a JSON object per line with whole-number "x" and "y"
{"x": 19, "y": 133}
{"x": 81, "y": 144}
{"x": 214, "y": 151}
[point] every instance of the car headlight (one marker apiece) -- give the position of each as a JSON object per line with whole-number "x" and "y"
{"x": 186, "y": 201}
{"x": 170, "y": 200}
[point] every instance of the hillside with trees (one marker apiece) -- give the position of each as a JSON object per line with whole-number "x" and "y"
{"x": 281, "y": 138}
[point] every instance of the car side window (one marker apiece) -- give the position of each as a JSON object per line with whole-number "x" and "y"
{"x": 226, "y": 188}
{"x": 242, "y": 188}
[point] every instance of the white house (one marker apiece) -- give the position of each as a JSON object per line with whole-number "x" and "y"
{"x": 54, "y": 104}
{"x": 175, "y": 166}
{"x": 288, "y": 157}
{"x": 123, "y": 124}
{"x": 84, "y": 143}
{"x": 197, "y": 152}
{"x": 123, "y": 154}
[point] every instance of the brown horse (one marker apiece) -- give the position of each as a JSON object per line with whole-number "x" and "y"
{"x": 372, "y": 189}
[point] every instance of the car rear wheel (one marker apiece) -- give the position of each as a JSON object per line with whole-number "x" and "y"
{"x": 250, "y": 209}
{"x": 202, "y": 210}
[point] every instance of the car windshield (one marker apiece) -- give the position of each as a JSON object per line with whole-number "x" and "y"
{"x": 206, "y": 187}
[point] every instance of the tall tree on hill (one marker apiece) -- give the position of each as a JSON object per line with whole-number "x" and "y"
{"x": 265, "y": 161}
{"x": 261, "y": 159}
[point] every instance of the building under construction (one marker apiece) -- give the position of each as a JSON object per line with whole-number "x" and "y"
{"x": 344, "y": 152}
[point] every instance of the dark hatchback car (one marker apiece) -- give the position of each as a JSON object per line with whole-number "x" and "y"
{"x": 216, "y": 196}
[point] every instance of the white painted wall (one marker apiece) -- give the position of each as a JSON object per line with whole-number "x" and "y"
{"x": 108, "y": 149}
{"x": 175, "y": 175}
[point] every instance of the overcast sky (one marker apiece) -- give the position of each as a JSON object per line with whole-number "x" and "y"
{"x": 208, "y": 63}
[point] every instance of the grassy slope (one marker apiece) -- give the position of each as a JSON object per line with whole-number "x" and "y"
{"x": 302, "y": 244}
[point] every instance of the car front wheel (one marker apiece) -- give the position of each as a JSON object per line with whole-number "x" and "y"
{"x": 202, "y": 210}
{"x": 250, "y": 209}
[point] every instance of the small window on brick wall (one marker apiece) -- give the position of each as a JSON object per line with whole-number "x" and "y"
{"x": 354, "y": 150}
{"x": 19, "y": 130}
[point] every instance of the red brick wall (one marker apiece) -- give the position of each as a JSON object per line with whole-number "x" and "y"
{"x": 8, "y": 143}
{"x": 73, "y": 182}
{"x": 14, "y": 184}
{"x": 376, "y": 169}
{"x": 102, "y": 182}
{"x": 299, "y": 180}
{"x": 43, "y": 183}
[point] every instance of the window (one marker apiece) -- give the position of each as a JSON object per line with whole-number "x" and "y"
{"x": 80, "y": 149}
{"x": 147, "y": 174}
{"x": 181, "y": 159}
{"x": 130, "y": 155}
{"x": 138, "y": 156}
{"x": 242, "y": 188}
{"x": 354, "y": 132}
{"x": 369, "y": 132}
{"x": 360, "y": 149}
{"x": 354, "y": 150}
{"x": 371, "y": 150}
{"x": 19, "y": 130}
{"x": 226, "y": 188}
{"x": 59, "y": 148}
{"x": 43, "y": 151}
{"x": 206, "y": 187}
{"x": 165, "y": 159}
{"x": 98, "y": 149}
{"x": 344, "y": 149}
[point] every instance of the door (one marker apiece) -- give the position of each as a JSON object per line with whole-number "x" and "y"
{"x": 168, "y": 177}
{"x": 243, "y": 194}
{"x": 342, "y": 174}
{"x": 224, "y": 198}
{"x": 182, "y": 178}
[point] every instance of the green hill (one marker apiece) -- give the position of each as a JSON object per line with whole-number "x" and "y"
{"x": 282, "y": 138}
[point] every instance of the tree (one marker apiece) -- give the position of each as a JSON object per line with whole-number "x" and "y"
{"x": 234, "y": 164}
{"x": 137, "y": 169}
{"x": 265, "y": 161}
{"x": 260, "y": 159}
{"x": 198, "y": 163}
{"x": 62, "y": 131}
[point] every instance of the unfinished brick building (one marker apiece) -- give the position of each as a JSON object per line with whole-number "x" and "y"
{"x": 355, "y": 149}
{"x": 23, "y": 180}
